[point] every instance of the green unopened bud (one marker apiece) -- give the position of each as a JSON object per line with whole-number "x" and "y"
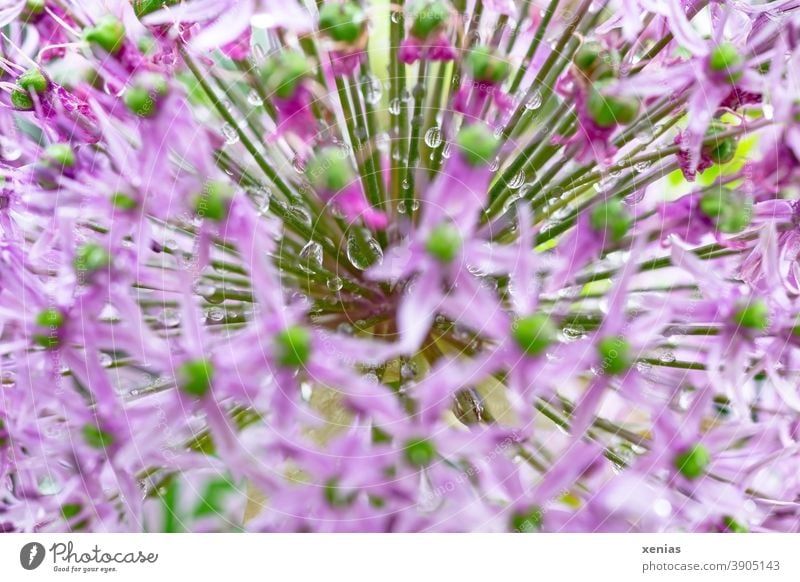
{"x": 33, "y": 80}
{"x": 337, "y": 496}
{"x": 343, "y": 22}
{"x": 123, "y": 201}
{"x": 195, "y": 376}
{"x": 419, "y": 452}
{"x": 429, "y": 18}
{"x": 615, "y": 353}
{"x": 478, "y": 144}
{"x": 330, "y": 171}
{"x": 293, "y": 346}
{"x": 610, "y": 110}
{"x": 96, "y": 437}
{"x": 444, "y": 243}
{"x": 527, "y": 521}
{"x": 142, "y": 98}
{"x": 215, "y": 200}
{"x": 49, "y": 323}
{"x": 723, "y": 59}
{"x": 589, "y": 56}
{"x": 91, "y": 257}
{"x": 484, "y": 65}
{"x": 21, "y": 100}
{"x": 145, "y": 7}
{"x": 285, "y": 72}
{"x": 534, "y": 333}
{"x": 733, "y": 526}
{"x": 108, "y": 34}
{"x": 59, "y": 156}
{"x": 69, "y": 511}
{"x": 33, "y": 7}
{"x": 611, "y": 217}
{"x": 722, "y": 150}
{"x": 752, "y": 315}
{"x": 693, "y": 461}
{"x": 731, "y": 213}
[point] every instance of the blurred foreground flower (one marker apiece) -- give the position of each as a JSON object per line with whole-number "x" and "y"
{"x": 432, "y": 265}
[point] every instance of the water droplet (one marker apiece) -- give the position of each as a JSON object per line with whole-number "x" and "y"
{"x": 169, "y": 317}
{"x": 394, "y": 106}
{"x": 311, "y": 255}
{"x": 372, "y": 89}
{"x": 231, "y": 137}
{"x": 535, "y": 101}
{"x": 642, "y": 166}
{"x": 254, "y": 99}
{"x": 447, "y": 150}
{"x": 401, "y": 207}
{"x": 495, "y": 165}
{"x": 517, "y": 181}
{"x": 396, "y": 16}
{"x": 433, "y": 137}
{"x": 109, "y": 313}
{"x": 365, "y": 252}
{"x": 406, "y": 184}
{"x": 573, "y": 333}
{"x": 299, "y": 165}
{"x": 106, "y": 360}
{"x": 335, "y": 284}
{"x": 216, "y": 314}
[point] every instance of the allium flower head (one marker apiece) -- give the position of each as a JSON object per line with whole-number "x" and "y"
{"x": 436, "y": 265}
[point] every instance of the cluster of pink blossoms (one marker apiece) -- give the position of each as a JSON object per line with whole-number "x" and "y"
{"x": 429, "y": 265}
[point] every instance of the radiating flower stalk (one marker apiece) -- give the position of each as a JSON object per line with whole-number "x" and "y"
{"x": 424, "y": 265}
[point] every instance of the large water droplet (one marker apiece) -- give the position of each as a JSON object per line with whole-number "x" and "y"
{"x": 372, "y": 89}
{"x": 363, "y": 251}
{"x": 433, "y": 137}
{"x": 394, "y": 106}
{"x": 311, "y": 255}
{"x": 534, "y": 102}
{"x": 335, "y": 284}
{"x": 517, "y": 181}
{"x": 231, "y": 137}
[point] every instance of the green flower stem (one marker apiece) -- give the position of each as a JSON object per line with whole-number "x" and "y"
{"x": 247, "y": 68}
{"x": 396, "y": 90}
{"x": 413, "y": 141}
{"x": 434, "y": 104}
{"x": 551, "y": 60}
{"x": 534, "y": 46}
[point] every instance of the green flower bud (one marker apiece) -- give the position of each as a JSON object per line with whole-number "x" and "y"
{"x": 609, "y": 110}
{"x": 429, "y": 18}
{"x": 50, "y": 321}
{"x": 285, "y": 72}
{"x": 534, "y": 333}
{"x": 615, "y": 353}
{"x": 96, "y": 437}
{"x": 108, "y": 34}
{"x": 59, "y": 156}
{"x": 611, "y": 217}
{"x": 419, "y": 452}
{"x": 91, "y": 257}
{"x": 335, "y": 495}
{"x": 478, "y": 144}
{"x": 343, "y": 22}
{"x": 215, "y": 200}
{"x": 444, "y": 243}
{"x": 123, "y": 201}
{"x": 731, "y": 213}
{"x": 693, "y": 461}
{"x": 724, "y": 58}
{"x": 33, "y": 81}
{"x": 144, "y": 7}
{"x": 589, "y": 56}
{"x": 21, "y": 100}
{"x": 527, "y": 521}
{"x": 69, "y": 511}
{"x": 484, "y": 65}
{"x": 330, "y": 171}
{"x": 293, "y": 346}
{"x": 194, "y": 377}
{"x": 142, "y": 98}
{"x": 33, "y": 8}
{"x": 721, "y": 151}
{"x": 752, "y": 315}
{"x": 733, "y": 526}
